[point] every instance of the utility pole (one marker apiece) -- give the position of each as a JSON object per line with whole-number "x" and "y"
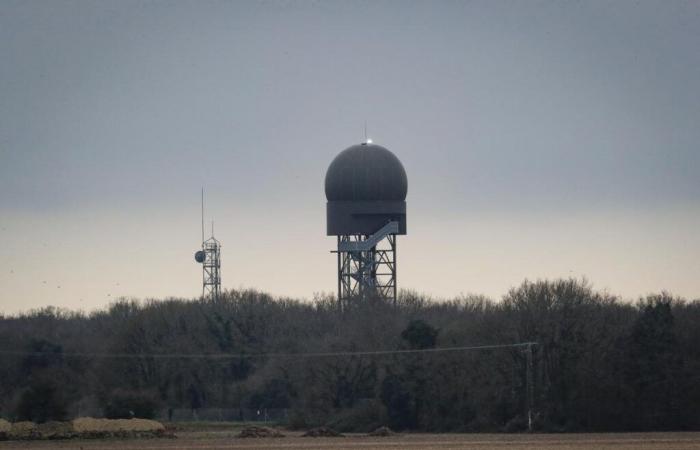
{"x": 529, "y": 380}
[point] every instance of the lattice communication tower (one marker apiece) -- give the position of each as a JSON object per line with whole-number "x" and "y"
{"x": 210, "y": 259}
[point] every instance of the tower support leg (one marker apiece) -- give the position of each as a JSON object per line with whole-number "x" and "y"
{"x": 366, "y": 272}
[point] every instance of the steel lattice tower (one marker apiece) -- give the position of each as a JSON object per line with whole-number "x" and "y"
{"x": 367, "y": 265}
{"x": 211, "y": 269}
{"x": 210, "y": 258}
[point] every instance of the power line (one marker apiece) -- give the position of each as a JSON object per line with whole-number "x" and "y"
{"x": 263, "y": 355}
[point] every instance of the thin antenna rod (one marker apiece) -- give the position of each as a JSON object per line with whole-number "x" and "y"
{"x": 365, "y": 131}
{"x": 202, "y": 213}
{"x": 212, "y": 228}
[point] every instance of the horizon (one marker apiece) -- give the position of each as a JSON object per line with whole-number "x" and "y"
{"x": 430, "y": 299}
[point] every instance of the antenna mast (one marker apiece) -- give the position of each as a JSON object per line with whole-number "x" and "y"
{"x": 210, "y": 258}
{"x": 202, "y": 213}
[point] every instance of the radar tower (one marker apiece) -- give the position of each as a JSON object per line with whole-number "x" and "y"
{"x": 366, "y": 188}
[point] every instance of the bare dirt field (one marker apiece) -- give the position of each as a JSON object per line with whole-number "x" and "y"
{"x": 215, "y": 440}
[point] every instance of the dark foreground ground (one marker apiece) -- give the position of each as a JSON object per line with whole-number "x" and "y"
{"x": 214, "y": 440}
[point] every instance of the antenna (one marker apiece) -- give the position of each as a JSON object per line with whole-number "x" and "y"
{"x": 212, "y": 228}
{"x": 202, "y": 213}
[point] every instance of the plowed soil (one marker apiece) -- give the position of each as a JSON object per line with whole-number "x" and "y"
{"x": 220, "y": 440}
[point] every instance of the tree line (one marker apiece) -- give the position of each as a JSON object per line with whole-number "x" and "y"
{"x": 599, "y": 364}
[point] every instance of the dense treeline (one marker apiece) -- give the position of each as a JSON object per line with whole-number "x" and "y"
{"x": 599, "y": 364}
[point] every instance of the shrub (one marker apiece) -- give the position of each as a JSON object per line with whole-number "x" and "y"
{"x": 42, "y": 401}
{"x": 127, "y": 405}
{"x": 365, "y": 417}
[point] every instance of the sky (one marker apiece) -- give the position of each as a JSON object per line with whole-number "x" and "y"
{"x": 541, "y": 139}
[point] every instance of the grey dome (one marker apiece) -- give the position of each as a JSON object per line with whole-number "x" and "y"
{"x": 366, "y": 172}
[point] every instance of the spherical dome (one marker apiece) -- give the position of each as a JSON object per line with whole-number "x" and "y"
{"x": 366, "y": 172}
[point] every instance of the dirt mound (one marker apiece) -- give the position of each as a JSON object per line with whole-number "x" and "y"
{"x": 90, "y": 427}
{"x": 84, "y": 427}
{"x": 259, "y": 432}
{"x": 56, "y": 430}
{"x": 5, "y": 428}
{"x": 88, "y": 424}
{"x": 24, "y": 430}
{"x": 381, "y": 432}
{"x": 322, "y": 432}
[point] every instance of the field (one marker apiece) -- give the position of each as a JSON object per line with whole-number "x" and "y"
{"x": 219, "y": 440}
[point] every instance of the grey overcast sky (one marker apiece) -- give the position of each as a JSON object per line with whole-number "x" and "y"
{"x": 541, "y": 139}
